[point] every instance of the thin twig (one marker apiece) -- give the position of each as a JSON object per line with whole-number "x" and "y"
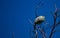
{"x": 42, "y": 32}
{"x": 35, "y": 31}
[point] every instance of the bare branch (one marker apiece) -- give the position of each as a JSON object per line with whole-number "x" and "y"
{"x": 56, "y": 31}
{"x": 55, "y": 18}
{"x": 42, "y": 32}
{"x": 58, "y": 23}
{"x": 56, "y": 10}
{"x": 36, "y": 34}
{"x": 30, "y": 21}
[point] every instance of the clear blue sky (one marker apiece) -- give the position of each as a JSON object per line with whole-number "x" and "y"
{"x": 14, "y": 16}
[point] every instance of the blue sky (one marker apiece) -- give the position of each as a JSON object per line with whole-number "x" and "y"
{"x": 14, "y": 15}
